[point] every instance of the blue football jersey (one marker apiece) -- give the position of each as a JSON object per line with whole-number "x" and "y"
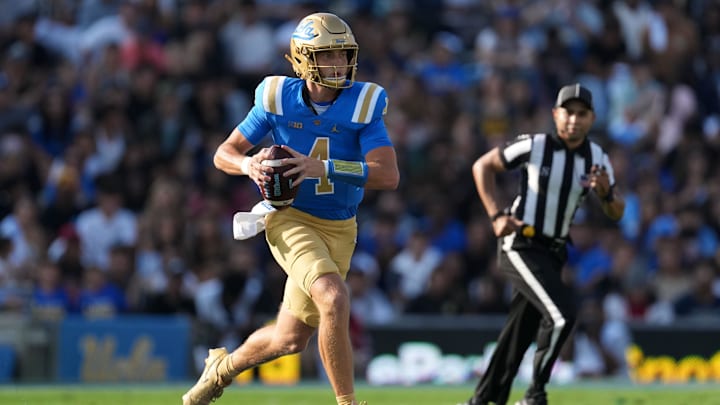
{"x": 351, "y": 127}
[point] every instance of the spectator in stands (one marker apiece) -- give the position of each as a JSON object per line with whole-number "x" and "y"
{"x": 600, "y": 343}
{"x": 641, "y": 113}
{"x": 50, "y": 300}
{"x": 245, "y": 30}
{"x": 99, "y": 298}
{"x": 368, "y": 304}
{"x": 207, "y": 296}
{"x": 29, "y": 239}
{"x": 121, "y": 273}
{"x": 590, "y": 255}
{"x": 411, "y": 268}
{"x": 671, "y": 35}
{"x": 66, "y": 251}
{"x": 634, "y": 18}
{"x": 116, "y": 28}
{"x": 173, "y": 299}
{"x": 53, "y": 126}
{"x": 701, "y": 302}
{"x": 487, "y": 296}
{"x": 671, "y": 280}
{"x": 502, "y": 45}
{"x": 13, "y": 116}
{"x": 442, "y": 225}
{"x": 111, "y": 134}
{"x": 444, "y": 73}
{"x": 64, "y": 193}
{"x": 443, "y": 294}
{"x": 388, "y": 229}
{"x": 106, "y": 225}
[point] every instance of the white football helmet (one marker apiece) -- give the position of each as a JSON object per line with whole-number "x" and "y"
{"x": 323, "y": 32}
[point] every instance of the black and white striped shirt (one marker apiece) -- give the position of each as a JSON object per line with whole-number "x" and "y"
{"x": 554, "y": 179}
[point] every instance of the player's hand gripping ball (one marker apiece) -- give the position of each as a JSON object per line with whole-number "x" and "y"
{"x": 279, "y": 191}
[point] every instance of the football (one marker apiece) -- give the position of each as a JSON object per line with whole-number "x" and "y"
{"x": 279, "y": 191}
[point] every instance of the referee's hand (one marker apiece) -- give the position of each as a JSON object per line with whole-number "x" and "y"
{"x": 599, "y": 181}
{"x": 505, "y": 225}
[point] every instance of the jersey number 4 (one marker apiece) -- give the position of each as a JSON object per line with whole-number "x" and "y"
{"x": 321, "y": 151}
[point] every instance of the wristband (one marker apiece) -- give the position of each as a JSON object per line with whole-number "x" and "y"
{"x": 610, "y": 197}
{"x": 353, "y": 172}
{"x": 245, "y": 164}
{"x": 497, "y": 215}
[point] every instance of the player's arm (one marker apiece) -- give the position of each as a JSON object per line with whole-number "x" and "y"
{"x": 231, "y": 157}
{"x": 484, "y": 172}
{"x": 383, "y": 173}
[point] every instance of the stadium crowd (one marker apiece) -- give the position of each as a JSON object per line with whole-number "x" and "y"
{"x": 110, "y": 111}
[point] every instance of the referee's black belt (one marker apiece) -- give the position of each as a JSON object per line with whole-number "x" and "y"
{"x": 552, "y": 243}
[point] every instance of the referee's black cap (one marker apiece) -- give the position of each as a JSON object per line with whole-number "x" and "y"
{"x": 574, "y": 92}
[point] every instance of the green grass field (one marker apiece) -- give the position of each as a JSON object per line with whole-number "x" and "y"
{"x": 586, "y": 394}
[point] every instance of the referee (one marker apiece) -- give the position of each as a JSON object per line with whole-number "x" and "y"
{"x": 558, "y": 171}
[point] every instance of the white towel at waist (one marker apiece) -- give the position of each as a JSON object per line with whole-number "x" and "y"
{"x": 248, "y": 224}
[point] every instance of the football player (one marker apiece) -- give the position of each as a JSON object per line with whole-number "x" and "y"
{"x": 334, "y": 128}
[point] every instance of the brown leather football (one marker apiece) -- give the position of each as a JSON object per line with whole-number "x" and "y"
{"x": 279, "y": 191}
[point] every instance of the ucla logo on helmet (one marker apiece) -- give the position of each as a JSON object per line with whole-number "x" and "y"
{"x": 305, "y": 31}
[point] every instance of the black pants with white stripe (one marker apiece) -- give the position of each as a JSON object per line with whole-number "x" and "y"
{"x": 542, "y": 310}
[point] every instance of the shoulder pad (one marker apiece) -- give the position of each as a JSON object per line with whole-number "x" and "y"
{"x": 269, "y": 94}
{"x": 368, "y": 102}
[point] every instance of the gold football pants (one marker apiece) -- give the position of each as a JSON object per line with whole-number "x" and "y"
{"x": 307, "y": 247}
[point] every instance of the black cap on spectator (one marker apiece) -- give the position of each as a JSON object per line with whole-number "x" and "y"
{"x": 574, "y": 92}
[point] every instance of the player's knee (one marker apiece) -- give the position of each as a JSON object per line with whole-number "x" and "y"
{"x": 330, "y": 294}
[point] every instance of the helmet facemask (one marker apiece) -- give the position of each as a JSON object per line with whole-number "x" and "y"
{"x": 323, "y": 32}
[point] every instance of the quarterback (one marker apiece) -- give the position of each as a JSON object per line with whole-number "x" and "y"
{"x": 334, "y": 129}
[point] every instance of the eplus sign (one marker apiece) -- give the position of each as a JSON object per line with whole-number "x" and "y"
{"x": 422, "y": 362}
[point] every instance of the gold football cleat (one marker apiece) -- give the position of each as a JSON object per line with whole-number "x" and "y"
{"x": 210, "y": 385}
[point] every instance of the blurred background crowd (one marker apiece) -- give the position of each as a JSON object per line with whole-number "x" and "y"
{"x": 111, "y": 110}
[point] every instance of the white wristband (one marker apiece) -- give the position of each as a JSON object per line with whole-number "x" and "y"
{"x": 245, "y": 164}
{"x": 327, "y": 167}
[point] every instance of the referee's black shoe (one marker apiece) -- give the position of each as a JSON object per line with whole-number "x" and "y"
{"x": 539, "y": 398}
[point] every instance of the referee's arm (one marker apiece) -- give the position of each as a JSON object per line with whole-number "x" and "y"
{"x": 611, "y": 201}
{"x": 484, "y": 171}
{"x": 615, "y": 208}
